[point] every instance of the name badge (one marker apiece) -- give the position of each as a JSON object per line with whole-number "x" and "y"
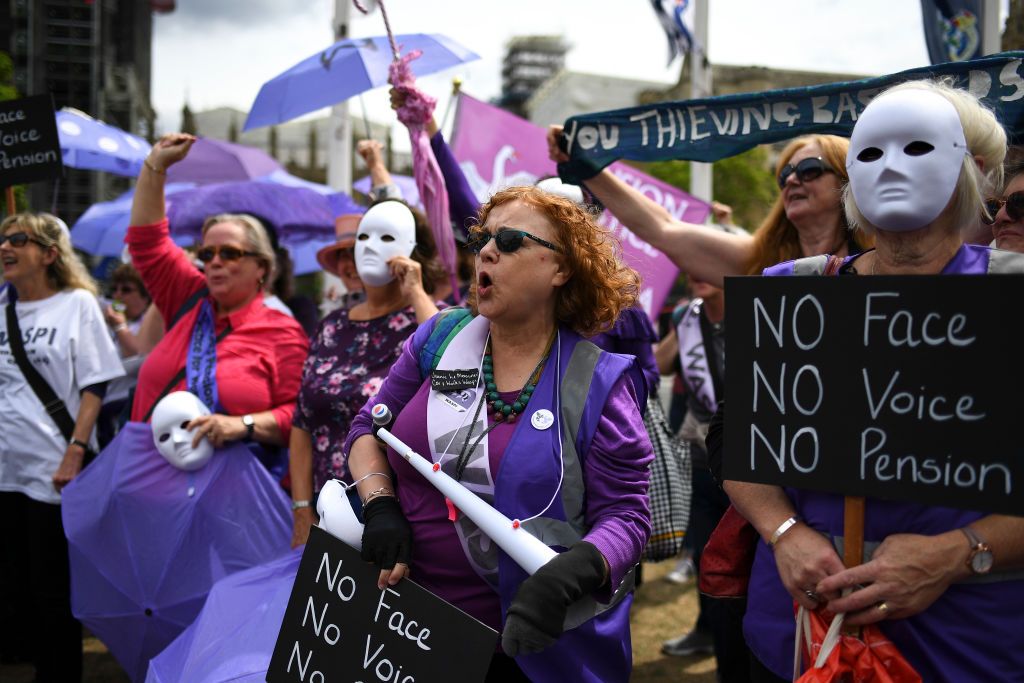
{"x": 454, "y": 380}
{"x": 459, "y": 401}
{"x": 542, "y": 419}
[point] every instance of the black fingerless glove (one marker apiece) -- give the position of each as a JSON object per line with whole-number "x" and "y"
{"x": 387, "y": 537}
{"x": 536, "y": 616}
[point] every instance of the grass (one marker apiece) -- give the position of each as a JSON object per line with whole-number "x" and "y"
{"x": 662, "y": 610}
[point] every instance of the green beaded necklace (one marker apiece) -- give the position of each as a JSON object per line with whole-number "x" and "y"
{"x": 507, "y": 411}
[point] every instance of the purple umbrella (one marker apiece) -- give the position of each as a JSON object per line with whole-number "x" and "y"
{"x": 234, "y": 636}
{"x": 147, "y": 541}
{"x": 216, "y": 161}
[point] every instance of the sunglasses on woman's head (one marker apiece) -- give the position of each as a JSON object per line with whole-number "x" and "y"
{"x": 1014, "y": 204}
{"x": 507, "y": 241}
{"x": 207, "y": 254}
{"x": 806, "y": 170}
{"x": 19, "y": 239}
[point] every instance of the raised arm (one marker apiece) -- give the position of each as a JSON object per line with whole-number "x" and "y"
{"x": 148, "y": 204}
{"x": 709, "y": 255}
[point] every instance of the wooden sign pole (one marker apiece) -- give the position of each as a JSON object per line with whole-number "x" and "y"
{"x": 853, "y": 541}
{"x": 10, "y": 201}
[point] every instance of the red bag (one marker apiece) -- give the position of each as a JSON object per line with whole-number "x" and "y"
{"x": 727, "y": 558}
{"x": 831, "y": 656}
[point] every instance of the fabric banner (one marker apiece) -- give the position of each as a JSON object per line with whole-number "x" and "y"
{"x": 953, "y": 29}
{"x": 497, "y": 149}
{"x": 713, "y": 128}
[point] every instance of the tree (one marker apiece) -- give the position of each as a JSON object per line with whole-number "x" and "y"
{"x": 233, "y": 130}
{"x": 312, "y": 146}
{"x": 744, "y": 182}
{"x": 272, "y": 142}
{"x": 9, "y": 92}
{"x": 188, "y": 121}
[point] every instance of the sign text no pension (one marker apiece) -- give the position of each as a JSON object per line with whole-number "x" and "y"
{"x": 905, "y": 388}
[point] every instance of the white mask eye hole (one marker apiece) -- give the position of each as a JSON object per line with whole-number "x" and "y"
{"x": 184, "y": 425}
{"x": 918, "y": 148}
{"x": 164, "y": 437}
{"x": 362, "y": 237}
{"x": 387, "y": 238}
{"x": 869, "y": 154}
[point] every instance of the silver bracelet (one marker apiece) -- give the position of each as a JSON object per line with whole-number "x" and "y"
{"x": 783, "y": 528}
{"x": 371, "y": 474}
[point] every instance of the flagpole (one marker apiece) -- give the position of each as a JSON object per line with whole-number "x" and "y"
{"x": 700, "y": 86}
{"x": 339, "y": 143}
{"x": 991, "y": 39}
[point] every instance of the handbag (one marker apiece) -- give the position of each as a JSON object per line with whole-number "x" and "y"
{"x": 670, "y": 488}
{"x": 832, "y": 656}
{"x": 728, "y": 557}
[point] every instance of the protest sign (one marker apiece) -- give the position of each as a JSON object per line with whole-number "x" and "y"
{"x": 29, "y": 147}
{"x": 339, "y": 627}
{"x": 905, "y": 388}
{"x": 713, "y": 128}
{"x": 497, "y": 149}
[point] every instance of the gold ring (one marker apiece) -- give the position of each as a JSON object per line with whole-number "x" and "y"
{"x": 883, "y": 607}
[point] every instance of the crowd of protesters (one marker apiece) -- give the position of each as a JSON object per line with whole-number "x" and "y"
{"x": 544, "y": 305}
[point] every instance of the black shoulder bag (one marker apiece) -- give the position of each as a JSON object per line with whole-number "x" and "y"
{"x": 53, "y": 405}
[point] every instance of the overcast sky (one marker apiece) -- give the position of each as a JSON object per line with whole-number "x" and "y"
{"x": 219, "y": 52}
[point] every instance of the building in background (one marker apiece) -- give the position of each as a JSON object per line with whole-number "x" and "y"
{"x": 90, "y": 55}
{"x": 529, "y": 62}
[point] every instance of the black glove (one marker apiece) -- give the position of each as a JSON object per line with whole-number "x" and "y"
{"x": 535, "y": 618}
{"x": 387, "y": 537}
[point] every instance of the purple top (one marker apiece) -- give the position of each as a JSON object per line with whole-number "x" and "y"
{"x": 940, "y": 643}
{"x": 615, "y": 485}
{"x": 346, "y": 365}
{"x": 634, "y": 335}
{"x": 462, "y": 203}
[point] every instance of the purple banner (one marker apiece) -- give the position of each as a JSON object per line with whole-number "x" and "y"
{"x": 497, "y": 149}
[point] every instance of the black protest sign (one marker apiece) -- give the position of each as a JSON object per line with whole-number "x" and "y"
{"x": 906, "y": 388}
{"x": 339, "y": 627}
{"x": 29, "y": 146}
{"x": 454, "y": 380}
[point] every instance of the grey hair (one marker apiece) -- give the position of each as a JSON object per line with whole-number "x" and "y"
{"x": 255, "y": 235}
{"x": 985, "y": 138}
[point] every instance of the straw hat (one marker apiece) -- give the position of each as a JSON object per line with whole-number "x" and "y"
{"x": 345, "y": 232}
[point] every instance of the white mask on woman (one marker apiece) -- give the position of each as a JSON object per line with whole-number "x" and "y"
{"x": 386, "y": 230}
{"x": 173, "y": 441}
{"x": 905, "y": 156}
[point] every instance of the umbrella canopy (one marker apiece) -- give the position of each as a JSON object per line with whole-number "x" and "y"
{"x": 147, "y": 541}
{"x": 216, "y": 161}
{"x": 234, "y": 635}
{"x": 93, "y": 145}
{"x": 347, "y": 68}
{"x": 300, "y": 213}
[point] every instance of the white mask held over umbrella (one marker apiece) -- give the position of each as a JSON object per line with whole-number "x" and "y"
{"x": 170, "y": 417}
{"x": 905, "y": 157}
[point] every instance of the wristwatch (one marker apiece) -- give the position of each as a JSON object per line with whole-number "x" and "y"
{"x": 250, "y": 425}
{"x": 980, "y": 559}
{"x": 299, "y": 504}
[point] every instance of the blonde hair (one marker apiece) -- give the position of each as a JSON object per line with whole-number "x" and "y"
{"x": 777, "y": 239}
{"x": 67, "y": 271}
{"x": 985, "y": 138}
{"x": 600, "y": 286}
{"x": 255, "y": 235}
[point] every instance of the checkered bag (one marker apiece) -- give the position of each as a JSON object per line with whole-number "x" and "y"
{"x": 670, "y": 488}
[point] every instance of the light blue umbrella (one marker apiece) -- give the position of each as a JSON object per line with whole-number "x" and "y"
{"x": 345, "y": 69}
{"x": 93, "y": 145}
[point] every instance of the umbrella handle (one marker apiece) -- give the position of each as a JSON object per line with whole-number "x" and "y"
{"x": 395, "y": 53}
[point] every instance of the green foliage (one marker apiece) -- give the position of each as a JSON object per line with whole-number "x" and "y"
{"x": 7, "y": 89}
{"x": 744, "y": 182}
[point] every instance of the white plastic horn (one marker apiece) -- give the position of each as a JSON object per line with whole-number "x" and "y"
{"x": 522, "y": 546}
{"x": 336, "y": 515}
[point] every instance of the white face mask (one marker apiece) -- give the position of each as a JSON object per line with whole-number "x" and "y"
{"x": 174, "y": 442}
{"x": 385, "y": 231}
{"x": 574, "y": 193}
{"x": 905, "y": 156}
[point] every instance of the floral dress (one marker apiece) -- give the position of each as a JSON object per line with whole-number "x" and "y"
{"x": 347, "y": 362}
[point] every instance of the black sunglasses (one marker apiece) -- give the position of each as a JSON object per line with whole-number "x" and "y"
{"x": 1014, "y": 204}
{"x": 507, "y": 241}
{"x": 806, "y": 170}
{"x": 207, "y": 254}
{"x": 19, "y": 239}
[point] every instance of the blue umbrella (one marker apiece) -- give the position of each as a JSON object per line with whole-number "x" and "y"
{"x": 147, "y": 542}
{"x": 90, "y": 144}
{"x": 234, "y": 635}
{"x": 101, "y": 229}
{"x": 347, "y": 68}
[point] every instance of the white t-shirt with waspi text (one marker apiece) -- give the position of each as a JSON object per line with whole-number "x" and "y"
{"x": 67, "y": 342}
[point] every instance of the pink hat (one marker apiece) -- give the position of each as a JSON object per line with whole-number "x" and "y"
{"x": 345, "y": 232}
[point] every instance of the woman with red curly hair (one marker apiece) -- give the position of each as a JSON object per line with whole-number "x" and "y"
{"x": 546, "y": 428}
